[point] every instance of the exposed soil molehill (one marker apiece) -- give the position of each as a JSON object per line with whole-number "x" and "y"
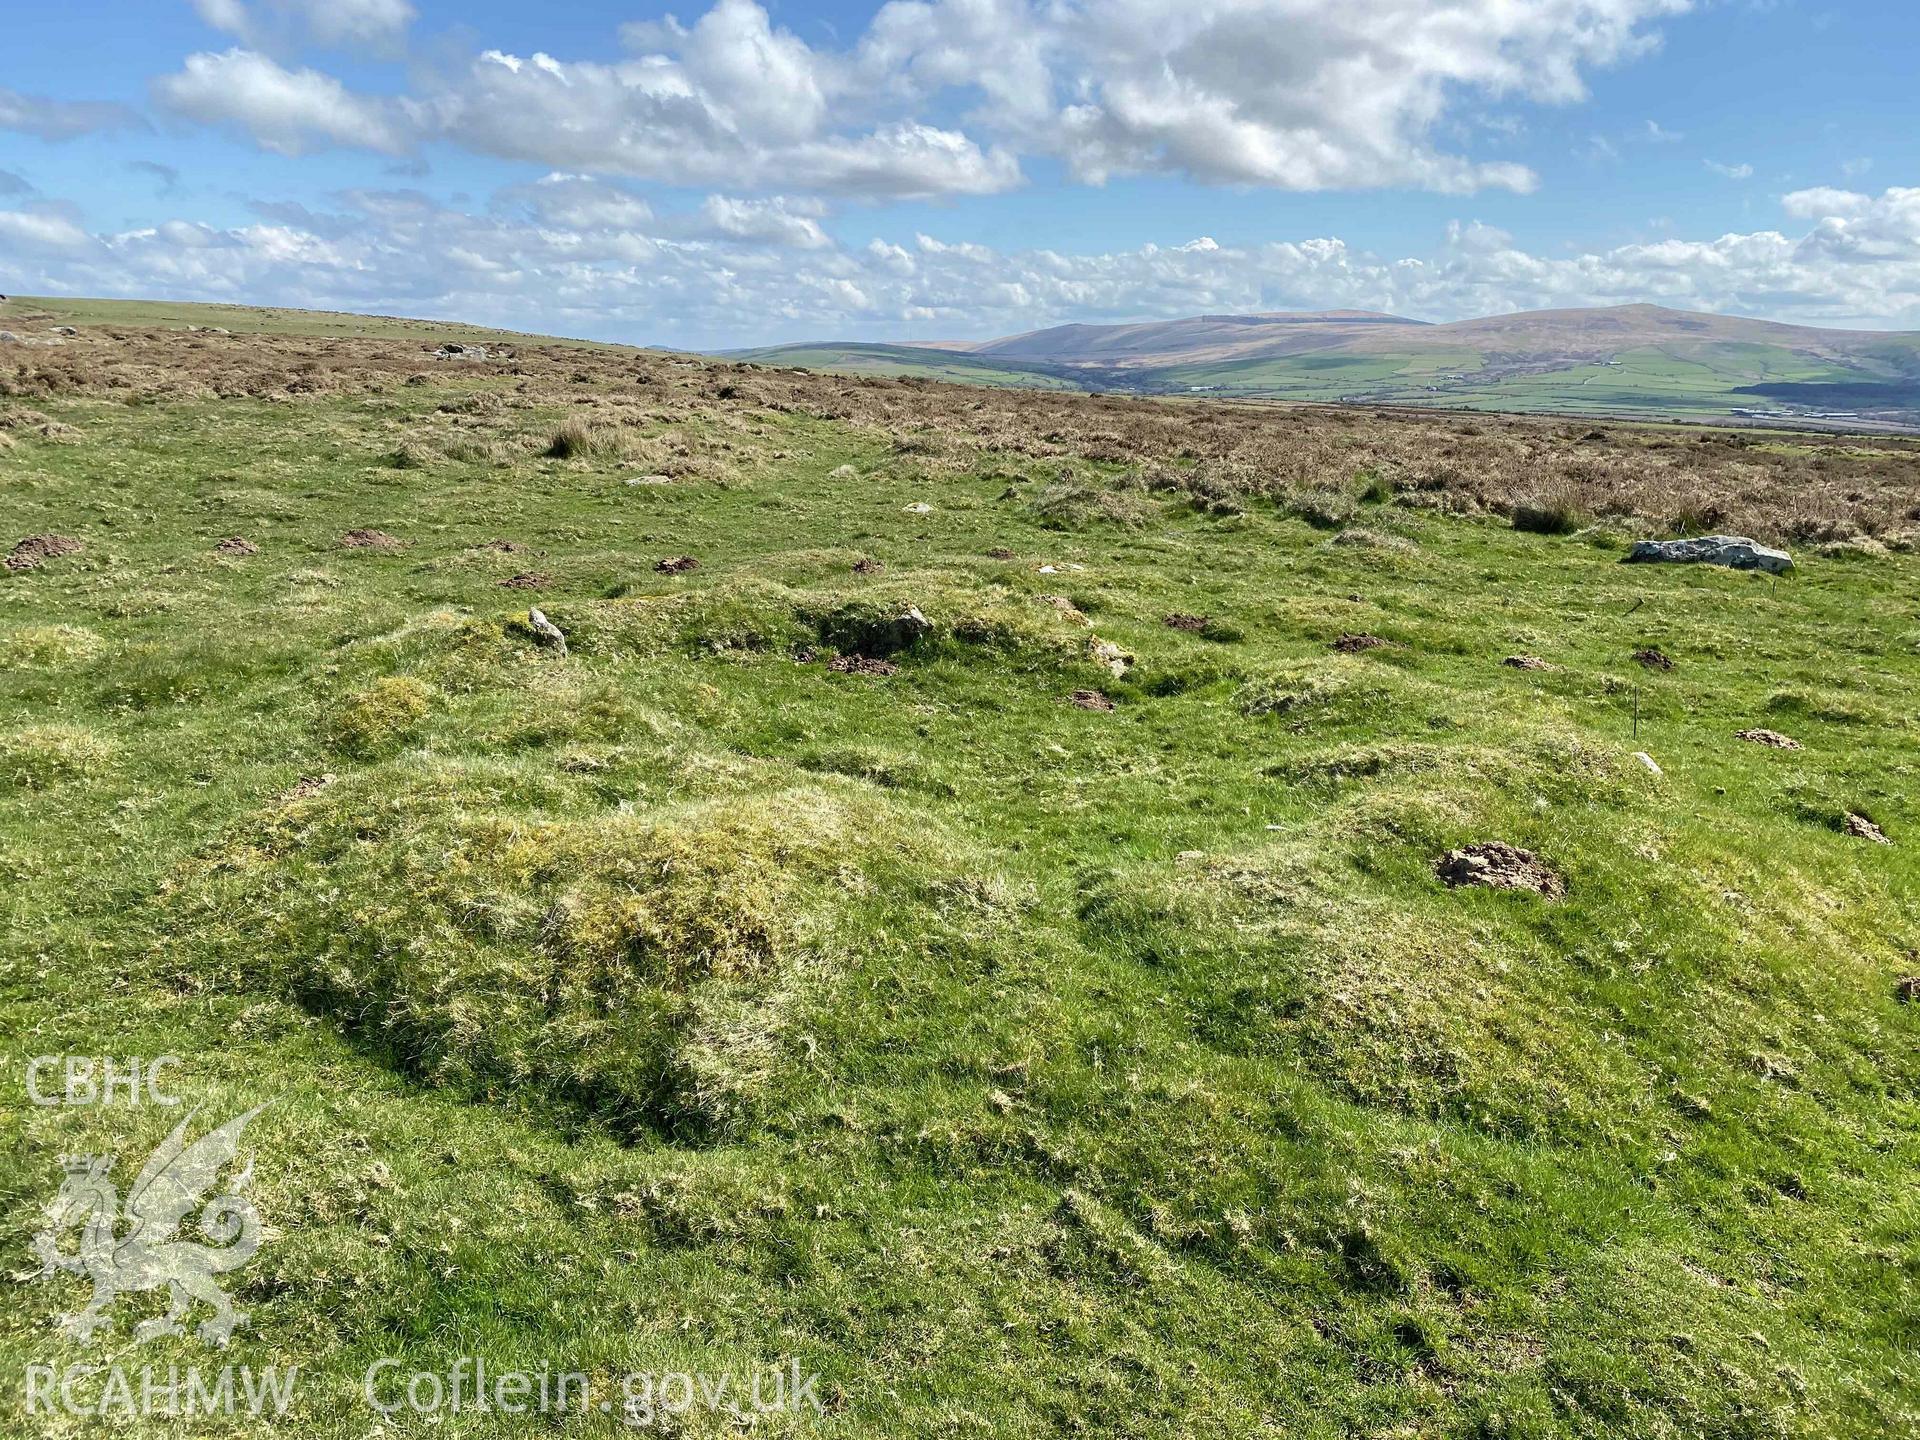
{"x": 1354, "y": 644}
{"x": 1525, "y": 662}
{"x": 530, "y": 580}
{"x": 1654, "y": 658}
{"x": 235, "y": 545}
{"x": 862, "y": 665}
{"x": 1770, "y": 737}
{"x": 1497, "y": 865}
{"x": 867, "y": 567}
{"x": 370, "y": 540}
{"x": 1907, "y": 992}
{"x": 502, "y": 547}
{"x": 31, "y": 552}
{"x": 677, "y": 565}
{"x": 999, "y": 552}
{"x": 1862, "y": 828}
{"x": 304, "y": 788}
{"x": 1190, "y": 623}
{"x": 1090, "y": 700}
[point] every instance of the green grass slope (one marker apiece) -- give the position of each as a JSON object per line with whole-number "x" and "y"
{"x": 685, "y": 1003}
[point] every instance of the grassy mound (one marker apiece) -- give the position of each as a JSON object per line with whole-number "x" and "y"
{"x": 646, "y": 968}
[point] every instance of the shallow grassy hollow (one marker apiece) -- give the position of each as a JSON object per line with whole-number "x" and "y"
{"x": 1021, "y": 1069}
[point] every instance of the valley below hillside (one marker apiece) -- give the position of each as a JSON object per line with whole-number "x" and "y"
{"x": 1628, "y": 362}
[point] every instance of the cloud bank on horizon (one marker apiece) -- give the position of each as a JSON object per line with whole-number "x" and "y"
{"x": 740, "y": 178}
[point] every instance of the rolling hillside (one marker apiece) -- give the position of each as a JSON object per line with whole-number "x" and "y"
{"x": 1632, "y": 361}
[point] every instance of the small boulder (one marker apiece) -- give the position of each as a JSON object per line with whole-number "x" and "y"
{"x": 1110, "y": 655}
{"x": 546, "y": 632}
{"x": 1861, "y": 828}
{"x": 1735, "y": 551}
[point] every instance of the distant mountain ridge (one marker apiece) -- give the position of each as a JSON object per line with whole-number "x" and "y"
{"x": 1639, "y": 361}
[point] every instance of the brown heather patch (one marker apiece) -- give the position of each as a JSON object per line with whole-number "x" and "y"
{"x": 1540, "y": 473}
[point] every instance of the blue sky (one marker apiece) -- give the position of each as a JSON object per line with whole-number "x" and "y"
{"x": 732, "y": 173}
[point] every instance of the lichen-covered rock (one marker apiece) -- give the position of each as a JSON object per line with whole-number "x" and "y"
{"x": 1736, "y": 551}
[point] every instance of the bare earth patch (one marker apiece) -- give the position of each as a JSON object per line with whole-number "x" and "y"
{"x": 1354, "y": 644}
{"x": 1090, "y": 700}
{"x": 370, "y": 540}
{"x": 304, "y": 788}
{"x": 1496, "y": 865}
{"x": 1525, "y": 662}
{"x": 1654, "y": 658}
{"x": 677, "y": 565}
{"x": 862, "y": 665}
{"x": 1189, "y": 623}
{"x": 530, "y": 580}
{"x": 35, "y": 550}
{"x": 236, "y": 545}
{"x": 1773, "y": 738}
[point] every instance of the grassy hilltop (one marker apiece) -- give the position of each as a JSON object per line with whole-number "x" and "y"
{"x": 1050, "y": 1023}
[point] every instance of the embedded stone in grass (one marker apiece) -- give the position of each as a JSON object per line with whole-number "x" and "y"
{"x": 1772, "y": 738}
{"x": 1496, "y": 865}
{"x": 529, "y": 580}
{"x": 1654, "y": 658}
{"x": 1861, "y": 828}
{"x": 36, "y": 550}
{"x": 677, "y": 565}
{"x": 370, "y": 540}
{"x": 1736, "y": 551}
{"x": 862, "y": 665}
{"x": 1354, "y": 644}
{"x": 1525, "y": 662}
{"x": 1109, "y": 655}
{"x": 546, "y": 632}
{"x": 236, "y": 545}
{"x": 1090, "y": 700}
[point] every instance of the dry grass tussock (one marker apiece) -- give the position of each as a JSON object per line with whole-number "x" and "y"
{"x": 703, "y": 420}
